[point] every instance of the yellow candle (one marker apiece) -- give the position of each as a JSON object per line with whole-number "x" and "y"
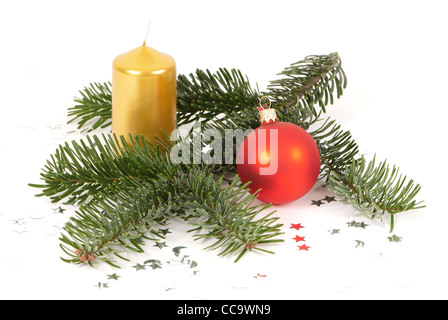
{"x": 143, "y": 93}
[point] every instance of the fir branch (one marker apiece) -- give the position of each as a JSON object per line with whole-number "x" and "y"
{"x": 230, "y": 215}
{"x": 113, "y": 223}
{"x": 308, "y": 82}
{"x": 375, "y": 189}
{"x": 304, "y": 84}
{"x": 205, "y": 95}
{"x": 337, "y": 147}
{"x": 86, "y": 168}
{"x": 132, "y": 188}
{"x": 95, "y": 105}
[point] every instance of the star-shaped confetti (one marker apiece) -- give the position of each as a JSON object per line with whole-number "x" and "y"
{"x": 329, "y": 199}
{"x": 113, "y": 276}
{"x": 19, "y": 231}
{"x": 296, "y": 226}
{"x": 176, "y": 250}
{"x": 394, "y": 238}
{"x": 19, "y": 221}
{"x": 139, "y": 266}
{"x": 59, "y": 210}
{"x": 357, "y": 224}
{"x": 316, "y": 202}
{"x": 334, "y": 231}
{"x": 155, "y": 266}
{"x": 102, "y": 285}
{"x": 303, "y": 247}
{"x": 297, "y": 238}
{"x": 164, "y": 232}
{"x": 359, "y": 243}
{"x": 152, "y": 261}
{"x": 160, "y": 245}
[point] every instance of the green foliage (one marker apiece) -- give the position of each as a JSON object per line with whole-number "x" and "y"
{"x": 110, "y": 224}
{"x": 230, "y": 215}
{"x": 127, "y": 193}
{"x": 337, "y": 147}
{"x": 95, "y": 104}
{"x": 309, "y": 82}
{"x": 375, "y": 189}
{"x": 90, "y": 166}
{"x": 205, "y": 95}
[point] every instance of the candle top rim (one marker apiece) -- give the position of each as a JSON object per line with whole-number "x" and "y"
{"x": 143, "y": 59}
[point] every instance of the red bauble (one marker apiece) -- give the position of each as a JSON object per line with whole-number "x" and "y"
{"x": 281, "y": 159}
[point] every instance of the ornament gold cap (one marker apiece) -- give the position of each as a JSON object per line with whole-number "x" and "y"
{"x": 268, "y": 115}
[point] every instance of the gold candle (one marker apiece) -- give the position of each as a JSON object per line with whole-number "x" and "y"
{"x": 143, "y": 93}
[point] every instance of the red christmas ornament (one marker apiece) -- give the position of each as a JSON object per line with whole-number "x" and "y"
{"x": 280, "y": 158}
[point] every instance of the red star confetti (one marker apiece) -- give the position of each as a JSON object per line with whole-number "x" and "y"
{"x": 296, "y": 226}
{"x": 303, "y": 247}
{"x": 297, "y": 238}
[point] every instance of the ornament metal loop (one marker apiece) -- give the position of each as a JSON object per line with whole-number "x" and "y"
{"x": 265, "y": 97}
{"x": 267, "y": 115}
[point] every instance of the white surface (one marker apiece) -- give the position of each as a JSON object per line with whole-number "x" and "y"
{"x": 395, "y": 106}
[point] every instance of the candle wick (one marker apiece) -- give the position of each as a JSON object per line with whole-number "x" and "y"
{"x": 147, "y": 33}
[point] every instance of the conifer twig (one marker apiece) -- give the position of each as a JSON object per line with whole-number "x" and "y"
{"x": 231, "y": 217}
{"x": 310, "y": 81}
{"x": 95, "y": 104}
{"x": 375, "y": 189}
{"x": 135, "y": 188}
{"x": 205, "y": 95}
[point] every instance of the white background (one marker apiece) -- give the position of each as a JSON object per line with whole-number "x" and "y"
{"x": 394, "y": 55}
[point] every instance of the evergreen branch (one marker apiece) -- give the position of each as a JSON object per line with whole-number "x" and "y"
{"x": 205, "y": 95}
{"x": 83, "y": 169}
{"x": 337, "y": 147}
{"x": 132, "y": 188}
{"x": 229, "y": 215}
{"x": 111, "y": 224}
{"x": 305, "y": 83}
{"x": 375, "y": 189}
{"x": 309, "y": 82}
{"x": 303, "y": 116}
{"x": 95, "y": 104}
